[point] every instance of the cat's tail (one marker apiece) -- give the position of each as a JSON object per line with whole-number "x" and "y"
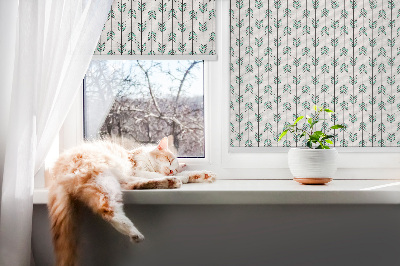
{"x": 62, "y": 212}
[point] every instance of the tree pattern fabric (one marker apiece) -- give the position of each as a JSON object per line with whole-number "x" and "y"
{"x": 159, "y": 27}
{"x": 289, "y": 55}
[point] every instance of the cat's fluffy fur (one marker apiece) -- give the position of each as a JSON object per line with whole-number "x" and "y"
{"x": 94, "y": 174}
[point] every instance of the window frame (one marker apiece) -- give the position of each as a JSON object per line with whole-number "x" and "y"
{"x": 244, "y": 163}
{"x": 72, "y": 130}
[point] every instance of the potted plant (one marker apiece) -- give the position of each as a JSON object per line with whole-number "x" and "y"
{"x": 315, "y": 163}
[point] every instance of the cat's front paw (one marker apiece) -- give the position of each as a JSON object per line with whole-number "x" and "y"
{"x": 181, "y": 167}
{"x": 137, "y": 237}
{"x": 174, "y": 182}
{"x": 201, "y": 176}
{"x": 210, "y": 177}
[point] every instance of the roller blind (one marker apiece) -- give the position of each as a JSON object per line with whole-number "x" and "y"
{"x": 287, "y": 56}
{"x": 152, "y": 28}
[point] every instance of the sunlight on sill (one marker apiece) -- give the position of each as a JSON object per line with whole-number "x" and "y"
{"x": 394, "y": 185}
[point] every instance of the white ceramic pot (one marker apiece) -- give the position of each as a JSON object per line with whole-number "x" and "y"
{"x": 310, "y": 166}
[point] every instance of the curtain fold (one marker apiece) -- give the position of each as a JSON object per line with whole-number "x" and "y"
{"x": 54, "y": 45}
{"x": 8, "y": 25}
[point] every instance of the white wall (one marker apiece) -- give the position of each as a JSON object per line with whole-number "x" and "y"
{"x": 232, "y": 235}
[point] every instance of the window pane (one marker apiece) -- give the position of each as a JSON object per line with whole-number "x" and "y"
{"x": 140, "y": 102}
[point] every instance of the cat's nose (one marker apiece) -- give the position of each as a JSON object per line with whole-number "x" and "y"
{"x": 171, "y": 172}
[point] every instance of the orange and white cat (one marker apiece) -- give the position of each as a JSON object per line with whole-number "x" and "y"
{"x": 94, "y": 174}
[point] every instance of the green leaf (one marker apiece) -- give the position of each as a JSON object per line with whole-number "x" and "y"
{"x": 298, "y": 119}
{"x": 310, "y": 120}
{"x": 315, "y": 108}
{"x": 314, "y": 122}
{"x": 282, "y": 135}
{"x": 309, "y": 144}
{"x": 322, "y": 146}
{"x": 329, "y": 141}
{"x": 317, "y": 135}
{"x": 328, "y": 137}
{"x": 337, "y": 127}
{"x": 328, "y": 111}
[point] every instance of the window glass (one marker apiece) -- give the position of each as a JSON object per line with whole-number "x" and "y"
{"x": 139, "y": 102}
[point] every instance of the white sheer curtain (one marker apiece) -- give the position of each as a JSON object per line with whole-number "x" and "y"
{"x": 54, "y": 44}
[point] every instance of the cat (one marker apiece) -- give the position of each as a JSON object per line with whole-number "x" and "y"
{"x": 94, "y": 173}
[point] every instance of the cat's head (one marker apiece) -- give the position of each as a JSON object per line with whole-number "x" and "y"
{"x": 164, "y": 161}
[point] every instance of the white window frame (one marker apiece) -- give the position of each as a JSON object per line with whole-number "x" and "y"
{"x": 246, "y": 163}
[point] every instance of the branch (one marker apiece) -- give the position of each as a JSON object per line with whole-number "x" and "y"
{"x": 146, "y": 73}
{"x": 165, "y": 118}
{"x": 182, "y": 81}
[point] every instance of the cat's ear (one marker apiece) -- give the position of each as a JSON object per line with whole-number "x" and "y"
{"x": 171, "y": 146}
{"x": 163, "y": 145}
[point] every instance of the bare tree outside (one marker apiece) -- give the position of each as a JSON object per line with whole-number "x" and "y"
{"x": 143, "y": 101}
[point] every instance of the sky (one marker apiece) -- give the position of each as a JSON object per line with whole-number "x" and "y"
{"x": 193, "y": 88}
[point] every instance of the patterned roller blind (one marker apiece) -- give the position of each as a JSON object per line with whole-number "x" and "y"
{"x": 287, "y": 56}
{"x": 160, "y": 27}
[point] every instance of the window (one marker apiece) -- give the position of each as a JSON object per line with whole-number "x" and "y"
{"x": 219, "y": 156}
{"x": 290, "y": 55}
{"x": 141, "y": 101}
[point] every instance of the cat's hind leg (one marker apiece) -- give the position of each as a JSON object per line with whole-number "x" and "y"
{"x": 103, "y": 195}
{"x": 152, "y": 183}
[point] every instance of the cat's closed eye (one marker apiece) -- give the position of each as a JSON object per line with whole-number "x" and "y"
{"x": 166, "y": 158}
{"x": 161, "y": 157}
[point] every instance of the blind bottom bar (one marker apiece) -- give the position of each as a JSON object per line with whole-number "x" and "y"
{"x": 155, "y": 57}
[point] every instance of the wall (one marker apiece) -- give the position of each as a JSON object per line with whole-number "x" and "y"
{"x": 237, "y": 235}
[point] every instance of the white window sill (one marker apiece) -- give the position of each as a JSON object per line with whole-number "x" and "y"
{"x": 264, "y": 192}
